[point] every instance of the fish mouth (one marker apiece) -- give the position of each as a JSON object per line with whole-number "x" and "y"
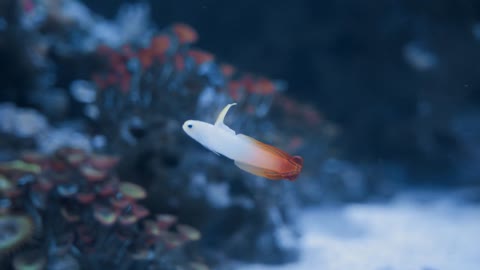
{"x": 187, "y": 125}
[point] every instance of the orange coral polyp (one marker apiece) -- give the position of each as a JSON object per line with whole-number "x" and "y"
{"x": 160, "y": 45}
{"x": 200, "y": 56}
{"x": 185, "y": 33}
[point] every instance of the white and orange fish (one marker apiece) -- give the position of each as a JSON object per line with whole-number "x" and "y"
{"x": 248, "y": 154}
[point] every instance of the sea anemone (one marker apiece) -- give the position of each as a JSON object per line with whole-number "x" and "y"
{"x": 164, "y": 221}
{"x": 188, "y": 233}
{"x": 31, "y": 260}
{"x": 20, "y": 166}
{"x": 127, "y": 219}
{"x": 15, "y": 230}
{"x": 104, "y": 215}
{"x": 85, "y": 197}
{"x": 140, "y": 211}
{"x": 132, "y": 191}
{"x": 103, "y": 162}
{"x": 92, "y": 174}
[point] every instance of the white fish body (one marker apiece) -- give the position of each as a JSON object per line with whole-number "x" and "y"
{"x": 249, "y": 154}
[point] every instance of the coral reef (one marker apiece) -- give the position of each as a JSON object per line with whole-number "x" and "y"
{"x": 22, "y": 128}
{"x": 15, "y": 230}
{"x": 102, "y": 89}
{"x": 143, "y": 96}
{"x": 140, "y": 98}
{"x": 80, "y": 214}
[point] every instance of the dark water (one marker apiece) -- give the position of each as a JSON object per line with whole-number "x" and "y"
{"x": 379, "y": 99}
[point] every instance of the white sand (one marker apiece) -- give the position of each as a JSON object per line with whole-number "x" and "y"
{"x": 403, "y": 235}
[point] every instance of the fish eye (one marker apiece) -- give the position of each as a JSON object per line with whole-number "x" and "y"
{"x": 190, "y": 126}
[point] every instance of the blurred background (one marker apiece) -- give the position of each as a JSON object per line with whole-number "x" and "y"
{"x": 382, "y": 100}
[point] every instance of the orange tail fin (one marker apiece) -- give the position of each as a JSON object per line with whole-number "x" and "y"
{"x": 298, "y": 162}
{"x": 288, "y": 170}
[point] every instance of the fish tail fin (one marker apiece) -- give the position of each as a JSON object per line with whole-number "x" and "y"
{"x": 298, "y": 161}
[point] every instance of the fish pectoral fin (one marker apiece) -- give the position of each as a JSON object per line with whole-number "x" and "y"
{"x": 259, "y": 171}
{"x": 221, "y": 115}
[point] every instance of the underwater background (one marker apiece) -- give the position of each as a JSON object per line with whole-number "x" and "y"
{"x": 380, "y": 98}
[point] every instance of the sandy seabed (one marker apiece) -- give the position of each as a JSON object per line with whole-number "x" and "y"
{"x": 409, "y": 233}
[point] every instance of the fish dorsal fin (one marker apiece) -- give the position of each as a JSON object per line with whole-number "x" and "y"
{"x": 259, "y": 171}
{"x": 271, "y": 149}
{"x": 221, "y": 116}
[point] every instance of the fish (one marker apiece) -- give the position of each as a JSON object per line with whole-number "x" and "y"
{"x": 248, "y": 154}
